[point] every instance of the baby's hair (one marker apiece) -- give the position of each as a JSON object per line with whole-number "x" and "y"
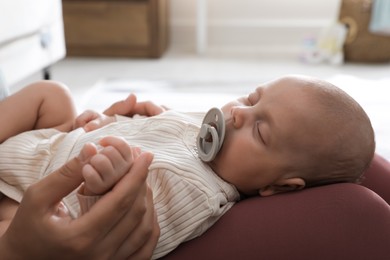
{"x": 350, "y": 142}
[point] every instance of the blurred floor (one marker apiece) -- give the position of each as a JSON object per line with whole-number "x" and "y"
{"x": 191, "y": 70}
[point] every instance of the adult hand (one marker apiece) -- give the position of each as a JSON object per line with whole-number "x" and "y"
{"x": 130, "y": 107}
{"x": 121, "y": 225}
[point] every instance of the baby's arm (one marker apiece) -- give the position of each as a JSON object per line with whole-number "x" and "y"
{"x": 91, "y": 120}
{"x": 108, "y": 165}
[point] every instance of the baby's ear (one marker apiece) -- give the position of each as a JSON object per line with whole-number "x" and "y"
{"x": 284, "y": 185}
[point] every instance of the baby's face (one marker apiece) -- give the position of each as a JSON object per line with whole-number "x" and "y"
{"x": 265, "y": 133}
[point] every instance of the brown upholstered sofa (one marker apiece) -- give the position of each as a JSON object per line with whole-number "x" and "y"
{"x": 338, "y": 221}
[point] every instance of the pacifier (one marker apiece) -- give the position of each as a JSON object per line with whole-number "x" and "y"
{"x": 211, "y": 135}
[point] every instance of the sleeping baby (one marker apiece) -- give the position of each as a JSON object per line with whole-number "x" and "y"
{"x": 291, "y": 133}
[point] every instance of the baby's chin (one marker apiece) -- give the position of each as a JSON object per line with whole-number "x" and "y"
{"x": 217, "y": 164}
{"x": 214, "y": 164}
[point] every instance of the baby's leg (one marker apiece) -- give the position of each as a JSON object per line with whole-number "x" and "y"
{"x": 57, "y": 108}
{"x": 44, "y": 104}
{"x": 108, "y": 165}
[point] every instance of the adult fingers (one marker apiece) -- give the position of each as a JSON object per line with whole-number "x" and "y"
{"x": 111, "y": 208}
{"x": 147, "y": 108}
{"x": 146, "y": 251}
{"x": 130, "y": 107}
{"x": 53, "y": 188}
{"x": 123, "y": 107}
{"x": 143, "y": 239}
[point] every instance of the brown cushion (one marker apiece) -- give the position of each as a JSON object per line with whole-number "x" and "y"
{"x": 339, "y": 221}
{"x": 377, "y": 177}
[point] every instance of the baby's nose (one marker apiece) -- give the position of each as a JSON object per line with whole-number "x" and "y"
{"x": 239, "y": 116}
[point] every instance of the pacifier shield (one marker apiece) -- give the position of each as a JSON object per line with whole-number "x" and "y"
{"x": 211, "y": 135}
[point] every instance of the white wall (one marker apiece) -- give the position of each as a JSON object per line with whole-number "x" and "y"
{"x": 265, "y": 27}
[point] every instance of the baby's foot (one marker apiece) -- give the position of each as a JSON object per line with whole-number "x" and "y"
{"x": 108, "y": 165}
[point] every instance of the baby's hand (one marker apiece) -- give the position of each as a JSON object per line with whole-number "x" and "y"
{"x": 130, "y": 107}
{"x": 108, "y": 165}
{"x": 91, "y": 120}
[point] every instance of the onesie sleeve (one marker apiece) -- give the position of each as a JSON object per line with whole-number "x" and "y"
{"x": 86, "y": 202}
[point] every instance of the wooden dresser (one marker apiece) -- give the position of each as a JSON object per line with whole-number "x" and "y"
{"x": 116, "y": 28}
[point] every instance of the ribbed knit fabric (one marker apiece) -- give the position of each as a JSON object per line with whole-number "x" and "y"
{"x": 188, "y": 196}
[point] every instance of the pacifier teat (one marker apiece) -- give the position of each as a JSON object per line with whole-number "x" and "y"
{"x": 211, "y": 135}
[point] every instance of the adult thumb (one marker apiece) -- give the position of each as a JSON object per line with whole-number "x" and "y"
{"x": 54, "y": 187}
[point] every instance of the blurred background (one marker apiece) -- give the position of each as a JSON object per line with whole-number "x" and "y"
{"x": 212, "y": 43}
{"x": 273, "y": 28}
{"x": 194, "y": 54}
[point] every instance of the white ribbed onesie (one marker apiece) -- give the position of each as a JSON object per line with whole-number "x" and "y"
{"x": 188, "y": 196}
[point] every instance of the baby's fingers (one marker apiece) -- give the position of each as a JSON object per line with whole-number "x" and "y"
{"x": 120, "y": 145}
{"x": 85, "y": 117}
{"x": 106, "y": 168}
{"x": 99, "y": 122}
{"x": 94, "y": 184}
